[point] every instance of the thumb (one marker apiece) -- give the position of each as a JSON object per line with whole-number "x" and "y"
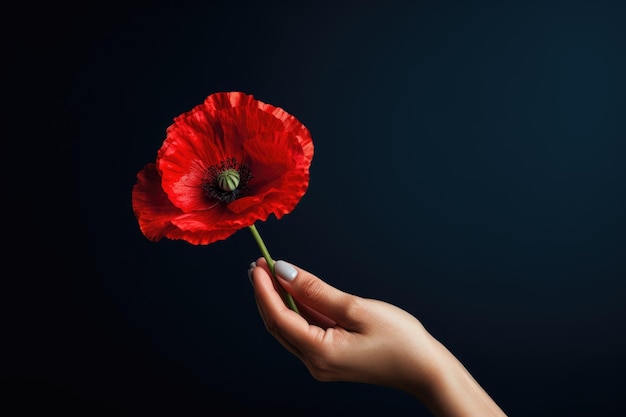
{"x": 317, "y": 294}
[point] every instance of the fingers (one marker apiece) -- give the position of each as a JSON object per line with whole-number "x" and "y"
{"x": 290, "y": 328}
{"x": 323, "y": 298}
{"x": 312, "y": 316}
{"x": 315, "y": 317}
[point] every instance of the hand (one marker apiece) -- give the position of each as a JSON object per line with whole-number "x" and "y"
{"x": 342, "y": 337}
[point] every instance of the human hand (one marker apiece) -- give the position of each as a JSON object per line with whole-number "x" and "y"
{"x": 340, "y": 336}
{"x": 343, "y": 337}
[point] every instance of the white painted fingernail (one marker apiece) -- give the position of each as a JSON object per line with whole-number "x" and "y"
{"x": 250, "y": 268}
{"x": 285, "y": 270}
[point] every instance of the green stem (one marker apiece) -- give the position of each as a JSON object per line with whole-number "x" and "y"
{"x": 270, "y": 262}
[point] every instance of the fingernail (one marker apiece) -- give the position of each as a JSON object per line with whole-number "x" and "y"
{"x": 285, "y": 270}
{"x": 250, "y": 268}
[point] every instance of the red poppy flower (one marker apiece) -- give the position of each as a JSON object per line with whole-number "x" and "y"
{"x": 227, "y": 163}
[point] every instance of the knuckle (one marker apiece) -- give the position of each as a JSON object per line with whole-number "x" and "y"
{"x": 354, "y": 310}
{"x": 312, "y": 289}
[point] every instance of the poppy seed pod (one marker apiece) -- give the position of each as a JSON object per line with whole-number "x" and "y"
{"x": 228, "y": 180}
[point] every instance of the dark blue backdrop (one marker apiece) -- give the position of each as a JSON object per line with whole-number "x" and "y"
{"x": 469, "y": 168}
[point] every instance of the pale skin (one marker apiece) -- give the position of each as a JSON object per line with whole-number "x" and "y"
{"x": 343, "y": 337}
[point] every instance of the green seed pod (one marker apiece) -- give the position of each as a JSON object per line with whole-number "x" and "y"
{"x": 228, "y": 180}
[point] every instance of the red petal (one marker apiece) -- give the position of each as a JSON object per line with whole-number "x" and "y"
{"x": 293, "y": 125}
{"x": 159, "y": 218}
{"x": 281, "y": 176}
{"x": 194, "y": 142}
{"x": 202, "y": 237}
{"x": 152, "y": 208}
{"x": 289, "y": 123}
{"x": 225, "y": 100}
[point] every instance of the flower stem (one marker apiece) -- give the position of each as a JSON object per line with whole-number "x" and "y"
{"x": 270, "y": 262}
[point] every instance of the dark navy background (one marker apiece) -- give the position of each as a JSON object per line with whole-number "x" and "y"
{"x": 469, "y": 168}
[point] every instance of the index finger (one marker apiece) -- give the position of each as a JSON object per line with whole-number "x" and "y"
{"x": 279, "y": 319}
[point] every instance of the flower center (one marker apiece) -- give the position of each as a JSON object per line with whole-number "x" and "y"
{"x": 226, "y": 181}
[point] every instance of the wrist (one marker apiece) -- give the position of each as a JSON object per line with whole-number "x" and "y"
{"x": 449, "y": 390}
